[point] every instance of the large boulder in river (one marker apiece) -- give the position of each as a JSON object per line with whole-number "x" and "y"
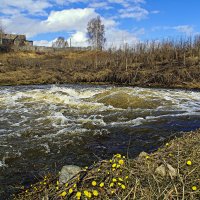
{"x": 67, "y": 172}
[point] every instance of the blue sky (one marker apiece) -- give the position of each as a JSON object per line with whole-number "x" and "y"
{"x": 125, "y": 20}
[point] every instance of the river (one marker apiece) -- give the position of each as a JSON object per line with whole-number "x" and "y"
{"x": 43, "y": 128}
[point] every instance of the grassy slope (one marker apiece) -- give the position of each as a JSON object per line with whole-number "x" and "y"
{"x": 133, "y": 179}
{"x": 102, "y": 67}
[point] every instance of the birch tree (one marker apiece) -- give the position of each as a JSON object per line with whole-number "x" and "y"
{"x": 96, "y": 33}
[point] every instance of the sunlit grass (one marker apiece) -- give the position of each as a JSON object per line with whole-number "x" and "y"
{"x": 131, "y": 179}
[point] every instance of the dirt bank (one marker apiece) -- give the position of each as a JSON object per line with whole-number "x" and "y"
{"x": 17, "y": 68}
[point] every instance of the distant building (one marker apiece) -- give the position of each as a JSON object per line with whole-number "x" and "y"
{"x": 14, "y": 40}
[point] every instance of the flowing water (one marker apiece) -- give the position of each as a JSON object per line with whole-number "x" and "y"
{"x": 43, "y": 128}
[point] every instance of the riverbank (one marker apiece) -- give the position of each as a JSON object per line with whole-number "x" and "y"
{"x": 172, "y": 172}
{"x": 26, "y": 68}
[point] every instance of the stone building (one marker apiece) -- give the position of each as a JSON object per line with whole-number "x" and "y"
{"x": 14, "y": 40}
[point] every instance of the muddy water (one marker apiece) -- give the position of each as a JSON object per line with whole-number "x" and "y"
{"x": 45, "y": 127}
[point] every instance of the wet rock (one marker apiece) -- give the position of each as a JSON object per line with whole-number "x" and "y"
{"x": 67, "y": 172}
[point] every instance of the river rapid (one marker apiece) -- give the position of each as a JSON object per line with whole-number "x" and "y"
{"x": 43, "y": 128}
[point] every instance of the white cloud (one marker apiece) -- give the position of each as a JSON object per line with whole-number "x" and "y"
{"x": 43, "y": 43}
{"x": 100, "y": 5}
{"x": 72, "y": 19}
{"x": 135, "y": 12}
{"x": 185, "y": 29}
{"x": 117, "y": 38}
{"x": 30, "y": 6}
{"x": 78, "y": 39}
{"x": 22, "y": 17}
{"x": 65, "y": 20}
{"x": 188, "y": 30}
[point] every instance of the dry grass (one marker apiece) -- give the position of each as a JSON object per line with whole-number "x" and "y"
{"x": 125, "y": 179}
{"x": 169, "y": 63}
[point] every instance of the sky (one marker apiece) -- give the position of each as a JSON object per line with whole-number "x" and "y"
{"x": 126, "y": 21}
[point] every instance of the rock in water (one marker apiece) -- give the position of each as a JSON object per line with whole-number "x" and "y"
{"x": 67, "y": 172}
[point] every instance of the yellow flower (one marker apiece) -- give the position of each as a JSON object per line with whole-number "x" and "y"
{"x": 194, "y": 188}
{"x": 120, "y": 179}
{"x": 189, "y": 162}
{"x": 114, "y": 180}
{"x": 123, "y": 187}
{"x": 26, "y": 191}
{"x": 86, "y": 167}
{"x": 99, "y": 170}
{"x": 70, "y": 190}
{"x": 123, "y": 157}
{"x": 101, "y": 184}
{"x": 78, "y": 195}
{"x": 170, "y": 154}
{"x": 74, "y": 185}
{"x": 110, "y": 160}
{"x": 118, "y": 166}
{"x": 147, "y": 157}
{"x": 87, "y": 194}
{"x": 112, "y": 192}
{"x": 57, "y": 182}
{"x": 126, "y": 177}
{"x": 111, "y": 184}
{"x": 114, "y": 165}
{"x": 95, "y": 193}
{"x": 66, "y": 184}
{"x": 94, "y": 183}
{"x": 113, "y": 169}
{"x": 118, "y": 155}
{"x": 63, "y": 194}
{"x": 57, "y": 188}
{"x": 44, "y": 183}
{"x": 121, "y": 162}
{"x": 108, "y": 172}
{"x": 167, "y": 144}
{"x": 119, "y": 184}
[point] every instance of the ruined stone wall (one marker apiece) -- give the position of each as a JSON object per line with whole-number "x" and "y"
{"x": 48, "y": 49}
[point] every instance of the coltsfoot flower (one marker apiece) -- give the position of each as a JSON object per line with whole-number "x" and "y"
{"x": 95, "y": 193}
{"x": 123, "y": 187}
{"x": 63, "y": 194}
{"x": 87, "y": 194}
{"x": 101, "y": 184}
{"x": 70, "y": 190}
{"x": 78, "y": 195}
{"x": 189, "y": 162}
{"x": 121, "y": 162}
{"x": 194, "y": 188}
{"x": 94, "y": 183}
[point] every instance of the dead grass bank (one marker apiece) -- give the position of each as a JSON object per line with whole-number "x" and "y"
{"x": 170, "y": 63}
{"x": 123, "y": 178}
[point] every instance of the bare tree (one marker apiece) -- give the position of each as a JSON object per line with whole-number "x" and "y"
{"x": 60, "y": 43}
{"x": 96, "y": 33}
